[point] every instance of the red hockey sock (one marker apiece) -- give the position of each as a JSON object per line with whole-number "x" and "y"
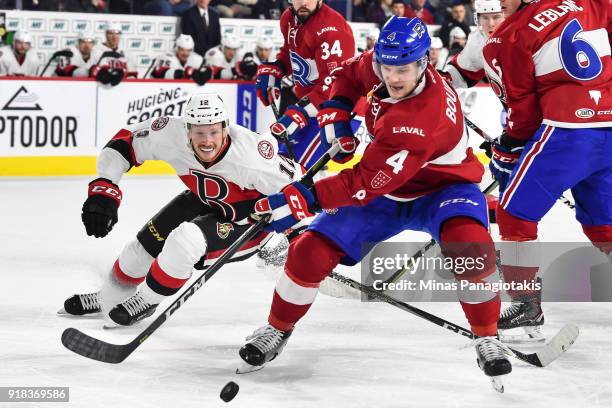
{"x": 123, "y": 277}
{"x": 483, "y": 316}
{"x": 311, "y": 258}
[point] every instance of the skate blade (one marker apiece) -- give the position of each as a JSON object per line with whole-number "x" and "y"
{"x": 498, "y": 385}
{"x": 246, "y": 368}
{"x": 63, "y": 313}
{"x": 110, "y": 325}
{"x": 530, "y": 336}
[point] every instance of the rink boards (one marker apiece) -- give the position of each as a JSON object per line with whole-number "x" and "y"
{"x": 56, "y": 127}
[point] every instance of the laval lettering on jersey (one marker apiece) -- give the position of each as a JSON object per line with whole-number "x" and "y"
{"x": 326, "y": 29}
{"x": 408, "y": 129}
{"x": 548, "y": 16}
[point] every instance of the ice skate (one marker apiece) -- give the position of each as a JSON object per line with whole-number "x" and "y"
{"x": 131, "y": 310}
{"x": 79, "y": 305}
{"x": 527, "y": 316}
{"x": 264, "y": 345}
{"x": 492, "y": 361}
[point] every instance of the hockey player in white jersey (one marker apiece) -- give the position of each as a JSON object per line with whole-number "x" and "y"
{"x": 81, "y": 63}
{"x": 19, "y": 59}
{"x": 226, "y": 60}
{"x": 183, "y": 63}
{"x": 467, "y": 68}
{"x": 226, "y": 169}
{"x": 112, "y": 63}
{"x": 263, "y": 50}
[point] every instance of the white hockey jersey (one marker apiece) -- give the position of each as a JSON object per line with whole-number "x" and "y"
{"x": 75, "y": 66}
{"x": 467, "y": 67}
{"x": 215, "y": 57}
{"x": 126, "y": 61}
{"x": 9, "y": 66}
{"x": 168, "y": 63}
{"x": 245, "y": 171}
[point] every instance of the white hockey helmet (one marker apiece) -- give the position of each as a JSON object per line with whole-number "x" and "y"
{"x": 23, "y": 36}
{"x": 373, "y": 34}
{"x": 436, "y": 43}
{"x": 230, "y": 41}
{"x": 486, "y": 6}
{"x": 457, "y": 32}
{"x": 205, "y": 109}
{"x": 265, "y": 43}
{"x": 113, "y": 28}
{"x": 82, "y": 36}
{"x": 184, "y": 41}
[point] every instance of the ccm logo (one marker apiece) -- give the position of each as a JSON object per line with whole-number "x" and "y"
{"x": 457, "y": 201}
{"x": 267, "y": 70}
{"x": 296, "y": 204}
{"x": 106, "y": 190}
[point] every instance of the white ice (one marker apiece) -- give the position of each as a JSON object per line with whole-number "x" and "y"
{"x": 343, "y": 353}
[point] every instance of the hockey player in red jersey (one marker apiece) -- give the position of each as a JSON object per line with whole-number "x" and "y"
{"x": 317, "y": 40}
{"x": 226, "y": 169}
{"x": 417, "y": 174}
{"x": 549, "y": 63}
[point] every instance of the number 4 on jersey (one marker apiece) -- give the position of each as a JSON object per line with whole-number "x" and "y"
{"x": 397, "y": 161}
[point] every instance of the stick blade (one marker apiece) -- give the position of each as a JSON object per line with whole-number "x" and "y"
{"x": 559, "y": 344}
{"x": 87, "y": 346}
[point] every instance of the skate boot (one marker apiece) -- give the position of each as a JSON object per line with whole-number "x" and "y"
{"x": 78, "y": 305}
{"x": 265, "y": 344}
{"x": 132, "y": 310}
{"x": 525, "y": 315}
{"x": 274, "y": 254}
{"x": 491, "y": 360}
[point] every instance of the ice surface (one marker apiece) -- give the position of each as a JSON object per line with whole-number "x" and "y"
{"x": 343, "y": 354}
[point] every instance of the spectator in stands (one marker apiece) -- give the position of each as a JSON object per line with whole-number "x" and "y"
{"x": 17, "y": 59}
{"x": 53, "y": 5}
{"x": 269, "y": 9}
{"x": 456, "y": 19}
{"x": 371, "y": 38}
{"x": 417, "y": 9}
{"x": 457, "y": 41}
{"x": 233, "y": 8}
{"x": 166, "y": 7}
{"x": 398, "y": 8}
{"x": 437, "y": 53}
{"x": 359, "y": 10}
{"x": 378, "y": 12}
{"x": 202, "y": 24}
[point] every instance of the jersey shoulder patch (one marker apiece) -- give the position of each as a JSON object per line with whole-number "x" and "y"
{"x": 159, "y": 123}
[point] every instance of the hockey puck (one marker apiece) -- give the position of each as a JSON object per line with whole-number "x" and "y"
{"x": 229, "y": 391}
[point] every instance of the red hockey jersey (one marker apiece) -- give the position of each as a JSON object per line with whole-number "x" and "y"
{"x": 550, "y": 63}
{"x": 419, "y": 143}
{"x": 311, "y": 50}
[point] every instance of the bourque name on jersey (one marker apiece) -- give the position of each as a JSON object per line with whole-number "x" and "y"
{"x": 548, "y": 16}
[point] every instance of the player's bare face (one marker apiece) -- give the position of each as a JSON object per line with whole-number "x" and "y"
{"x": 488, "y": 22}
{"x": 112, "y": 39}
{"x": 229, "y": 53}
{"x": 370, "y": 42}
{"x": 509, "y": 7}
{"x": 85, "y": 47}
{"x": 183, "y": 54}
{"x": 304, "y": 8}
{"x": 263, "y": 53}
{"x": 207, "y": 140}
{"x": 400, "y": 80}
{"x": 434, "y": 55}
{"x": 21, "y": 48}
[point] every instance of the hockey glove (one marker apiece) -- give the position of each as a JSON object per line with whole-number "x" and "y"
{"x": 288, "y": 125}
{"x": 183, "y": 73}
{"x": 269, "y": 75}
{"x": 334, "y": 120}
{"x": 102, "y": 75}
{"x": 504, "y": 156}
{"x": 293, "y": 204}
{"x": 99, "y": 213}
{"x": 202, "y": 75}
{"x": 247, "y": 68}
{"x": 116, "y": 75}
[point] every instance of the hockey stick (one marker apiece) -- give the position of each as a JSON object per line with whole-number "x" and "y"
{"x": 560, "y": 343}
{"x": 60, "y": 53}
{"x": 90, "y": 347}
{"x": 421, "y": 252}
{"x": 284, "y": 138}
{"x": 150, "y": 67}
{"x": 489, "y": 139}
